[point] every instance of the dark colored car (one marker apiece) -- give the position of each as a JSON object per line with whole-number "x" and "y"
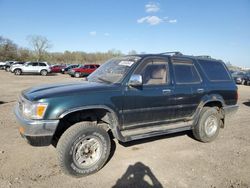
{"x": 127, "y": 98}
{"x": 238, "y": 77}
{"x": 57, "y": 68}
{"x": 8, "y": 65}
{"x": 68, "y": 68}
{"x": 246, "y": 79}
{"x": 83, "y": 71}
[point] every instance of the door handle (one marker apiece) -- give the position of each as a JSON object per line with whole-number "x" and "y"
{"x": 166, "y": 91}
{"x": 200, "y": 90}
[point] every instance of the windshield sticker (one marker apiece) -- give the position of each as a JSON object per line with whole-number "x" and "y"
{"x": 126, "y": 63}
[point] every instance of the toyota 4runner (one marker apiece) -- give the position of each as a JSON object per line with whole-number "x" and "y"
{"x": 127, "y": 98}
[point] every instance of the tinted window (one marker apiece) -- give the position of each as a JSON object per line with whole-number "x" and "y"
{"x": 215, "y": 71}
{"x": 42, "y": 64}
{"x": 92, "y": 66}
{"x": 185, "y": 72}
{"x": 34, "y": 64}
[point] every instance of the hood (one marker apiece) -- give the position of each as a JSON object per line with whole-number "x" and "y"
{"x": 64, "y": 89}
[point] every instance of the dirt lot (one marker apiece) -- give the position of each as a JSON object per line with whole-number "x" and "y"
{"x": 170, "y": 161}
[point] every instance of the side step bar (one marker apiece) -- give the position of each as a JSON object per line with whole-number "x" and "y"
{"x": 146, "y": 132}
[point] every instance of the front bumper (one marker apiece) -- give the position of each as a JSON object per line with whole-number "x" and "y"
{"x": 36, "y": 132}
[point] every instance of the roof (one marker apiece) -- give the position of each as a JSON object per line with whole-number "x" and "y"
{"x": 178, "y": 54}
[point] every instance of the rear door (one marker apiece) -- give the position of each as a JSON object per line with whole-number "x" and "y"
{"x": 189, "y": 88}
{"x": 42, "y": 66}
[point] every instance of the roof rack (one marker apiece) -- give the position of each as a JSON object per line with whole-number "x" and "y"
{"x": 204, "y": 56}
{"x": 171, "y": 53}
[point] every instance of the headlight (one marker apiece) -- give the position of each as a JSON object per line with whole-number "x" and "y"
{"x": 34, "y": 110}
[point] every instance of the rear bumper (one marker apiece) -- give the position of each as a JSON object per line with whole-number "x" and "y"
{"x": 36, "y": 132}
{"x": 230, "y": 110}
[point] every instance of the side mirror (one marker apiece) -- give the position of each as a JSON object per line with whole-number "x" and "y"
{"x": 135, "y": 80}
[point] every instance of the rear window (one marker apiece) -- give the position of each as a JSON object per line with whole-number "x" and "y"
{"x": 214, "y": 70}
{"x": 185, "y": 72}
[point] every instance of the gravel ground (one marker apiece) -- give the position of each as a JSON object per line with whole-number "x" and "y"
{"x": 169, "y": 161}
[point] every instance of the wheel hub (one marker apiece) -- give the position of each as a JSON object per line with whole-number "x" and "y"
{"x": 87, "y": 152}
{"x": 211, "y": 125}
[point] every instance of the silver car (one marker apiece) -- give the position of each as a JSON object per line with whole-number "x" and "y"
{"x": 41, "y": 68}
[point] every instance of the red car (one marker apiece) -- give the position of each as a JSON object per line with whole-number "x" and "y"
{"x": 57, "y": 68}
{"x": 83, "y": 71}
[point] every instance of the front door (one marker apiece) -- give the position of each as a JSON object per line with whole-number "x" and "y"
{"x": 152, "y": 102}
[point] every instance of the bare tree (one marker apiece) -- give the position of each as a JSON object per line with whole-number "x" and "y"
{"x": 8, "y": 49}
{"x": 40, "y": 45}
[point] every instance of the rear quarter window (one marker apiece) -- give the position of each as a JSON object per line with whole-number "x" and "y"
{"x": 214, "y": 70}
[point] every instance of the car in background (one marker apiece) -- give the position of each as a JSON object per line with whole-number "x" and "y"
{"x": 83, "y": 71}
{"x": 238, "y": 77}
{"x": 67, "y": 69}
{"x": 15, "y": 64}
{"x": 8, "y": 65}
{"x": 57, "y": 68}
{"x": 246, "y": 79}
{"x": 2, "y": 64}
{"x": 42, "y": 68}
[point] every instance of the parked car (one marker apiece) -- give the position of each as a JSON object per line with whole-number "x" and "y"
{"x": 127, "y": 98}
{"x": 67, "y": 69}
{"x": 42, "y": 68}
{"x": 83, "y": 71}
{"x": 246, "y": 79}
{"x": 238, "y": 77}
{"x": 8, "y": 65}
{"x": 18, "y": 63}
{"x": 2, "y": 65}
{"x": 57, "y": 68}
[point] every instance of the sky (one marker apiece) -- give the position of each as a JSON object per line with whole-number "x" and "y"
{"x": 219, "y": 28}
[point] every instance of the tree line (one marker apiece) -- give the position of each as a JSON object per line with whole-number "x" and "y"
{"x": 10, "y": 51}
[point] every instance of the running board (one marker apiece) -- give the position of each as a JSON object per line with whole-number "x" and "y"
{"x": 146, "y": 132}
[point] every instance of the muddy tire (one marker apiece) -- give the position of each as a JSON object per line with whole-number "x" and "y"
{"x": 208, "y": 126}
{"x": 83, "y": 149}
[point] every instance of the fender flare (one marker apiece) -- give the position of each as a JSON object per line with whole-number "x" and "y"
{"x": 114, "y": 126}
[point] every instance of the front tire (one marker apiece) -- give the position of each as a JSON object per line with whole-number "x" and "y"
{"x": 83, "y": 149}
{"x": 77, "y": 74}
{"x": 208, "y": 126}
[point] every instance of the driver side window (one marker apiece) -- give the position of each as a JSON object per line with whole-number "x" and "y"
{"x": 154, "y": 72}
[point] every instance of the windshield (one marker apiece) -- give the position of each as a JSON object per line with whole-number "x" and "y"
{"x": 114, "y": 70}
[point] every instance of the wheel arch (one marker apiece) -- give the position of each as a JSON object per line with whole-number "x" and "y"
{"x": 102, "y": 115}
{"x": 213, "y": 100}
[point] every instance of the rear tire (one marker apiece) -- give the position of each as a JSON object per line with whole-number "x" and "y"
{"x": 44, "y": 72}
{"x": 7, "y": 69}
{"x": 208, "y": 126}
{"x": 17, "y": 72}
{"x": 83, "y": 149}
